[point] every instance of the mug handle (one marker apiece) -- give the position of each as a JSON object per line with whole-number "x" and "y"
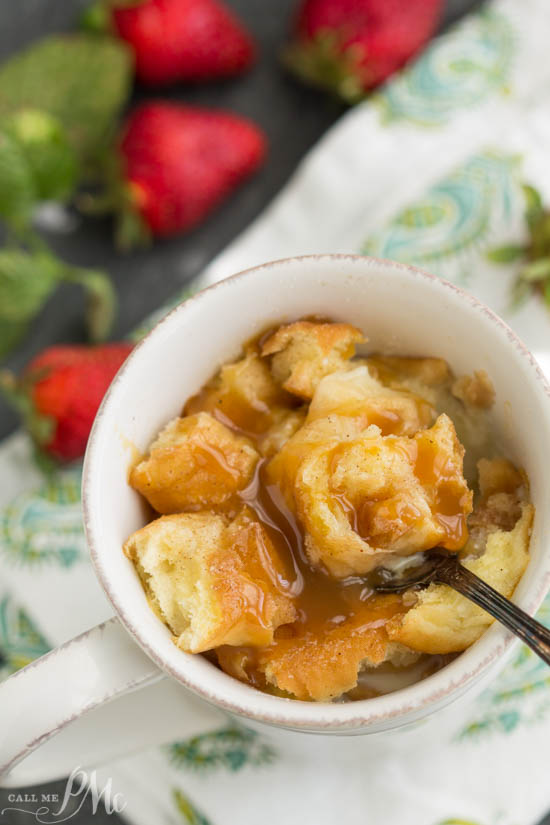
{"x": 95, "y": 698}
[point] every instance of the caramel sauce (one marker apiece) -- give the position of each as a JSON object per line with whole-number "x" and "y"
{"x": 433, "y": 470}
{"x": 214, "y": 461}
{"x": 390, "y": 422}
{"x": 387, "y": 421}
{"x": 136, "y": 455}
{"x": 396, "y": 515}
{"x": 323, "y": 604}
{"x": 266, "y": 573}
{"x": 318, "y": 597}
{"x": 232, "y": 401}
{"x": 236, "y": 413}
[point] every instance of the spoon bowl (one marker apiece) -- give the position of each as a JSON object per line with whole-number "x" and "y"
{"x": 425, "y": 567}
{"x": 438, "y": 566}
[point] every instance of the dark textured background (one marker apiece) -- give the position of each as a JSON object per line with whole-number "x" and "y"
{"x": 293, "y": 118}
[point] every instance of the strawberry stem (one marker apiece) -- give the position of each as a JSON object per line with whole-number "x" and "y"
{"x": 96, "y": 19}
{"x": 101, "y": 299}
{"x": 322, "y": 62}
{"x": 101, "y": 303}
{"x": 131, "y": 230}
{"x": 17, "y": 394}
{"x": 95, "y": 203}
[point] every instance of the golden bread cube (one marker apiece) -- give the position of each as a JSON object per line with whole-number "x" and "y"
{"x": 443, "y": 621}
{"x": 285, "y": 425}
{"x": 212, "y": 581}
{"x": 476, "y": 390}
{"x": 394, "y": 370}
{"x": 244, "y": 393}
{"x": 357, "y": 394}
{"x": 196, "y": 462}
{"x": 323, "y": 663}
{"x": 320, "y": 433}
{"x": 363, "y": 498}
{"x": 498, "y": 475}
{"x": 304, "y": 352}
{"x": 297, "y": 470}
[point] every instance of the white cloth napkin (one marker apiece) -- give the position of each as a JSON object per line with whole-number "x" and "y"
{"x": 428, "y": 171}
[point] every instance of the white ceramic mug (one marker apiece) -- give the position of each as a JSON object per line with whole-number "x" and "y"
{"x": 101, "y": 694}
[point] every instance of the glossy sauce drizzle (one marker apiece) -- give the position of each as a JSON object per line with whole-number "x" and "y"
{"x": 397, "y": 514}
{"x": 435, "y": 471}
{"x": 321, "y": 601}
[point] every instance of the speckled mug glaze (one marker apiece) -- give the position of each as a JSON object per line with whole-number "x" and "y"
{"x": 402, "y": 310}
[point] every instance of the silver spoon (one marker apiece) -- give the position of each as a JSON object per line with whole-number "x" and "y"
{"x": 445, "y": 568}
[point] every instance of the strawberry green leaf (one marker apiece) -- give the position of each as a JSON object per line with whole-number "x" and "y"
{"x": 536, "y": 270}
{"x": 122, "y": 4}
{"x": 17, "y": 188}
{"x": 50, "y": 157}
{"x": 26, "y": 280}
{"x": 96, "y": 19}
{"x": 80, "y": 79}
{"x": 506, "y": 254}
{"x": 533, "y": 204}
{"x": 323, "y": 63}
{"x": 11, "y": 333}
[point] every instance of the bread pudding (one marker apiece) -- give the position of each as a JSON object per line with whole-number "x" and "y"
{"x": 291, "y": 476}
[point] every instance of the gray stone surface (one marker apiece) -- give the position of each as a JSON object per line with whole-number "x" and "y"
{"x": 292, "y": 116}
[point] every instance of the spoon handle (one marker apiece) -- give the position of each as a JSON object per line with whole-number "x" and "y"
{"x": 533, "y": 633}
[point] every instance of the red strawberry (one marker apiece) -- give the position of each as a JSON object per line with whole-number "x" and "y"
{"x": 60, "y": 392}
{"x": 350, "y": 46}
{"x": 181, "y": 161}
{"x": 183, "y": 40}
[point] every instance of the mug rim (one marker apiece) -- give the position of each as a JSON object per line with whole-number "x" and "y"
{"x": 423, "y": 697}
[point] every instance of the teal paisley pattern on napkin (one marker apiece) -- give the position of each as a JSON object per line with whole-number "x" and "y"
{"x": 521, "y": 694}
{"x": 20, "y": 640}
{"x": 232, "y": 748}
{"x": 461, "y": 84}
{"x": 453, "y": 73}
{"x": 453, "y": 219}
{"x": 445, "y": 230}
{"x": 44, "y": 524}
